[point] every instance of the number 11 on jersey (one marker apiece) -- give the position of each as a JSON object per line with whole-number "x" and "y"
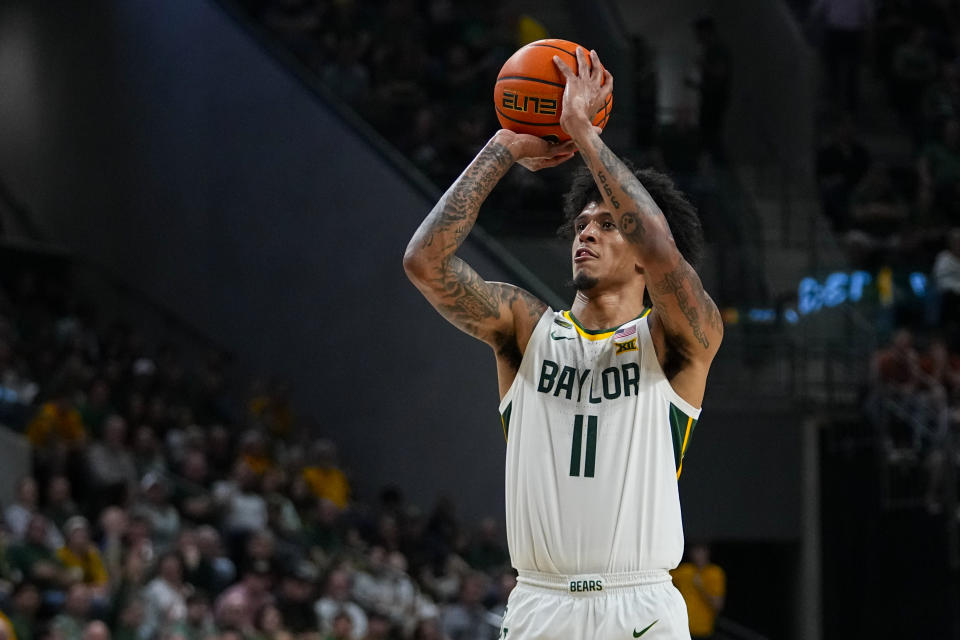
{"x": 576, "y": 447}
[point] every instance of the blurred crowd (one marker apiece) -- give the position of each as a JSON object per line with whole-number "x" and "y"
{"x": 163, "y": 504}
{"x": 421, "y": 72}
{"x": 892, "y": 204}
{"x": 889, "y": 181}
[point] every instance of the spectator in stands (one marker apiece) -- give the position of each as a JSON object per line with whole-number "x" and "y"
{"x": 154, "y": 506}
{"x": 96, "y": 407}
{"x": 18, "y": 388}
{"x": 208, "y": 568}
{"x": 129, "y": 625}
{"x": 191, "y": 494}
{"x": 130, "y": 587}
{"x": 220, "y": 458}
{"x": 34, "y": 559}
{"x": 113, "y": 528}
{"x": 894, "y": 368}
{"x": 138, "y": 539}
{"x": 341, "y": 628}
{"x": 336, "y": 599}
{"x": 467, "y": 619}
{"x": 254, "y": 450}
{"x": 506, "y": 582}
{"x": 82, "y": 559}
{"x": 379, "y": 627}
{"x": 248, "y": 595}
{"x": 70, "y": 622}
{"x": 942, "y": 368}
{"x": 198, "y": 623}
{"x": 384, "y": 585}
{"x": 946, "y": 278}
{"x": 296, "y": 597}
{"x": 841, "y": 164}
{"x": 324, "y": 476}
{"x": 110, "y": 468}
{"x": 60, "y": 505}
{"x": 96, "y": 630}
{"x": 57, "y": 425}
{"x": 429, "y": 628}
{"x": 244, "y": 509}
{"x": 269, "y": 624}
{"x": 703, "y": 586}
{"x": 282, "y": 515}
{"x": 24, "y": 605}
{"x": 260, "y": 547}
{"x": 443, "y": 576}
{"x": 18, "y": 514}
{"x": 324, "y": 534}
{"x": 147, "y": 452}
{"x": 486, "y": 552}
{"x": 165, "y": 597}
{"x": 6, "y": 628}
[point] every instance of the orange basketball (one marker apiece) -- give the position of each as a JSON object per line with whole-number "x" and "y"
{"x": 529, "y": 90}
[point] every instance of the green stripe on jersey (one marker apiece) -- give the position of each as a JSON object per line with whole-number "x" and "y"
{"x": 678, "y": 430}
{"x": 505, "y": 420}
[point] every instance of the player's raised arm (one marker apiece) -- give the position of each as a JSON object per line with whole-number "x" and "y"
{"x": 490, "y": 311}
{"x": 688, "y": 315}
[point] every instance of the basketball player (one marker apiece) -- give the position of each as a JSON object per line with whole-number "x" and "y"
{"x": 598, "y": 402}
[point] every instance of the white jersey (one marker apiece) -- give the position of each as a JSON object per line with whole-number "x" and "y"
{"x": 595, "y": 440}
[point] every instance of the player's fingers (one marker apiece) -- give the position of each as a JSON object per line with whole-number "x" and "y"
{"x": 554, "y": 161}
{"x": 596, "y": 69}
{"x": 607, "y": 82}
{"x": 582, "y": 68}
{"x": 565, "y": 147}
{"x": 566, "y": 71}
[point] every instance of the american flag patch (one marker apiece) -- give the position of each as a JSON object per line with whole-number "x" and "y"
{"x": 625, "y": 332}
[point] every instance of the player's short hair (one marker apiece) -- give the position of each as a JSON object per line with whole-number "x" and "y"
{"x": 680, "y": 214}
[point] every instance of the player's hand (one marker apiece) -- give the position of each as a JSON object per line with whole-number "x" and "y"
{"x": 585, "y": 93}
{"x": 535, "y": 153}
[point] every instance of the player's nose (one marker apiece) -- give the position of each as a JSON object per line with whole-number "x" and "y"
{"x": 588, "y": 233}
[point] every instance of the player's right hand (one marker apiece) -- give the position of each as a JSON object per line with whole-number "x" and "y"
{"x": 535, "y": 153}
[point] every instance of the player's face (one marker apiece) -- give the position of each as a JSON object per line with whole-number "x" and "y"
{"x": 600, "y": 254}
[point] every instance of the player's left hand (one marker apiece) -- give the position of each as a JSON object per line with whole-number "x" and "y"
{"x": 535, "y": 153}
{"x": 585, "y": 93}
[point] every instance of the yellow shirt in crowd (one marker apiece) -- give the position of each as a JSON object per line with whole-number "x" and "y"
{"x": 6, "y": 628}
{"x": 701, "y": 613}
{"x": 55, "y": 424}
{"x": 329, "y": 483}
{"x": 90, "y": 563}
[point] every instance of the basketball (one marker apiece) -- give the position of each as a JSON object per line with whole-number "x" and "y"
{"x": 529, "y": 90}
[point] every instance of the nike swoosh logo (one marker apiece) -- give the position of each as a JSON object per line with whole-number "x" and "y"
{"x": 637, "y": 634}
{"x": 556, "y": 337}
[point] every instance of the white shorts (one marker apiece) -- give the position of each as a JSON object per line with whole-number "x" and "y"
{"x": 595, "y": 607}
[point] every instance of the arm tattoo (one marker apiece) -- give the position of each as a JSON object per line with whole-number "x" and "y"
{"x": 465, "y": 297}
{"x": 457, "y": 210}
{"x": 481, "y": 309}
{"x": 673, "y": 283}
{"x": 642, "y": 223}
{"x": 710, "y": 309}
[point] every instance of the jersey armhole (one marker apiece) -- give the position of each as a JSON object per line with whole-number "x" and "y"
{"x": 544, "y": 320}
{"x": 663, "y": 385}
